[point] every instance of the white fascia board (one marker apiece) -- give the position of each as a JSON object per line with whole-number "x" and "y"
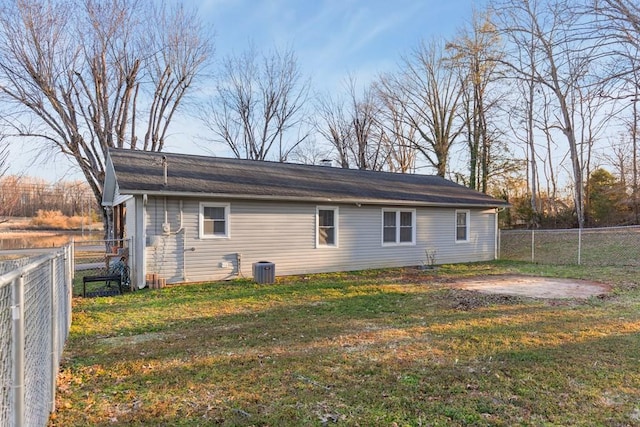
{"x": 377, "y": 202}
{"x": 117, "y": 200}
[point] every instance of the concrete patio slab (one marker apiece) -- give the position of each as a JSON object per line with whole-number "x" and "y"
{"x": 535, "y": 287}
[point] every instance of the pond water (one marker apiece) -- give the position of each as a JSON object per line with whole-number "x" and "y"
{"x": 43, "y": 239}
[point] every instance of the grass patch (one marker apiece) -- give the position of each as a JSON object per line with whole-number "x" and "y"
{"x": 381, "y": 347}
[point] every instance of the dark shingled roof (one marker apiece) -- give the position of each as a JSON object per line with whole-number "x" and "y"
{"x": 141, "y": 172}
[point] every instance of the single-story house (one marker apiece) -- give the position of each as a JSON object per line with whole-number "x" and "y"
{"x": 198, "y": 218}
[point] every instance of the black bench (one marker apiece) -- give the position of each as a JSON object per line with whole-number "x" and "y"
{"x": 102, "y": 292}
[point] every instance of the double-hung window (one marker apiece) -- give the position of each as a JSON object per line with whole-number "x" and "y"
{"x": 214, "y": 220}
{"x": 398, "y": 227}
{"x": 462, "y": 226}
{"x": 326, "y": 226}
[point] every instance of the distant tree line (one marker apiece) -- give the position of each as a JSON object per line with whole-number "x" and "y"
{"x": 609, "y": 203}
{"x": 24, "y": 197}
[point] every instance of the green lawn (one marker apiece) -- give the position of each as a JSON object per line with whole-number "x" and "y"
{"x": 392, "y": 347}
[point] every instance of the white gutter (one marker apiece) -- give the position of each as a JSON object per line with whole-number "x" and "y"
{"x": 387, "y": 202}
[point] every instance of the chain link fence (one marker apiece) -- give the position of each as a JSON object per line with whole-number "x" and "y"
{"x": 35, "y": 316}
{"x": 98, "y": 258}
{"x": 615, "y": 246}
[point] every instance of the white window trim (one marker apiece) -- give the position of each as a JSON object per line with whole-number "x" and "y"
{"x": 336, "y": 226}
{"x": 413, "y": 227}
{"x": 468, "y": 223}
{"x": 227, "y": 228}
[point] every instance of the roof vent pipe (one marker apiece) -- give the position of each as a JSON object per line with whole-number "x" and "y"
{"x": 165, "y": 165}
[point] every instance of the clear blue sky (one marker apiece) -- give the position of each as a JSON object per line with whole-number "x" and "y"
{"x": 335, "y": 37}
{"x": 331, "y": 38}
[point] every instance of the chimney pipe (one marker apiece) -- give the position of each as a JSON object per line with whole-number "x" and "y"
{"x": 165, "y": 166}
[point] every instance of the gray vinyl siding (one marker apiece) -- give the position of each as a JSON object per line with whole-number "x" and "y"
{"x": 164, "y": 252}
{"x": 439, "y": 227}
{"x": 284, "y": 233}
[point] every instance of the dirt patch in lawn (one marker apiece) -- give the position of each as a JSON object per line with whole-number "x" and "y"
{"x": 535, "y": 287}
{"x": 129, "y": 340}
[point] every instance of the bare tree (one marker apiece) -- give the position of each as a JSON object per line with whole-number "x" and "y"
{"x": 351, "y": 124}
{"x": 622, "y": 20}
{"x": 521, "y": 118}
{"x": 619, "y": 23}
{"x": 86, "y": 75}
{"x": 332, "y": 124}
{"x": 633, "y": 124}
{"x": 430, "y": 95}
{"x": 259, "y": 105}
{"x": 366, "y": 145}
{"x": 545, "y": 122}
{"x": 4, "y": 157}
{"x": 397, "y": 135}
{"x": 310, "y": 152}
{"x": 476, "y": 53}
{"x": 10, "y": 196}
{"x": 566, "y": 49}
{"x": 4, "y": 167}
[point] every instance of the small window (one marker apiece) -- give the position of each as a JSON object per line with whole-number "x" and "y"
{"x": 389, "y": 227}
{"x": 462, "y": 226}
{"x": 327, "y": 226}
{"x": 214, "y": 221}
{"x": 406, "y": 227}
{"x": 398, "y": 227}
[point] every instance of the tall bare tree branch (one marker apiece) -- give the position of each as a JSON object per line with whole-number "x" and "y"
{"x": 259, "y": 104}
{"x": 397, "y": 135}
{"x": 430, "y": 95}
{"x": 475, "y": 53}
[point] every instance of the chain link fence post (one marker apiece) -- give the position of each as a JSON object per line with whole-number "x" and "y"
{"x": 533, "y": 246}
{"x": 579, "y": 246}
{"x": 17, "y": 351}
{"x": 53, "y": 355}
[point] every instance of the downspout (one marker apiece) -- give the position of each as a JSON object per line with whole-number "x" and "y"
{"x": 166, "y": 216}
{"x": 181, "y": 219}
{"x": 496, "y": 248}
{"x": 184, "y": 242}
{"x": 141, "y": 247}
